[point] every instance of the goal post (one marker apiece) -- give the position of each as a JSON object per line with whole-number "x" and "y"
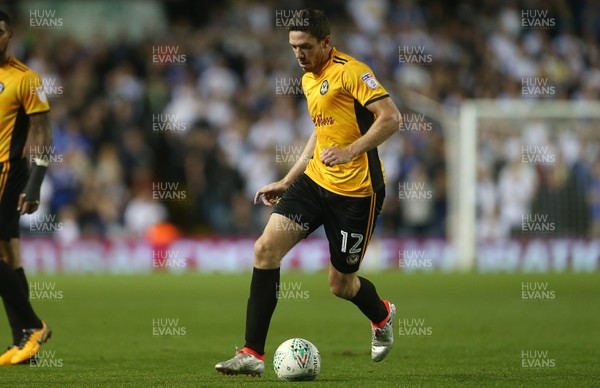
{"x": 462, "y": 186}
{"x": 464, "y": 156}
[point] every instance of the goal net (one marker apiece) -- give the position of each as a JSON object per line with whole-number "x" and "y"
{"x": 526, "y": 185}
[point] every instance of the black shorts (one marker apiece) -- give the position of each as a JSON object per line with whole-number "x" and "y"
{"x": 13, "y": 177}
{"x": 348, "y": 221}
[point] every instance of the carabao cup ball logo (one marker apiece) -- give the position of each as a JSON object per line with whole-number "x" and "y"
{"x": 302, "y": 352}
{"x": 297, "y": 359}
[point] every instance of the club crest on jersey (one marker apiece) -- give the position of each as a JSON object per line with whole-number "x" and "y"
{"x": 352, "y": 259}
{"x": 1, "y": 87}
{"x": 369, "y": 80}
{"x": 324, "y": 87}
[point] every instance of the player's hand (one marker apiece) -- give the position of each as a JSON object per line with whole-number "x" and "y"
{"x": 335, "y": 155}
{"x": 26, "y": 206}
{"x": 270, "y": 193}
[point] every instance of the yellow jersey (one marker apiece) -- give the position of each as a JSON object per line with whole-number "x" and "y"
{"x": 337, "y": 98}
{"x": 21, "y": 94}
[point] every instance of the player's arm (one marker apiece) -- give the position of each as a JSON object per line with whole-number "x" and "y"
{"x": 387, "y": 122}
{"x": 300, "y": 165}
{"x": 271, "y": 192}
{"x": 40, "y": 132}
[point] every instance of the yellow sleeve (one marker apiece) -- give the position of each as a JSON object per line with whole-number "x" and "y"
{"x": 361, "y": 83}
{"x": 33, "y": 96}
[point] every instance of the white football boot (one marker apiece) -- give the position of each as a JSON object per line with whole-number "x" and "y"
{"x": 242, "y": 363}
{"x": 383, "y": 337}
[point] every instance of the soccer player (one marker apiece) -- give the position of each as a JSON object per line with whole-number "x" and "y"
{"x": 338, "y": 182}
{"x": 23, "y": 116}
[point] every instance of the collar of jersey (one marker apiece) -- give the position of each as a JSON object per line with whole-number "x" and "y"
{"x": 332, "y": 53}
{"x": 9, "y": 60}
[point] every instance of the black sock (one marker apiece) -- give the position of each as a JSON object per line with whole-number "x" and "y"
{"x": 369, "y": 302}
{"x": 23, "y": 279}
{"x": 261, "y": 304}
{"x": 16, "y": 326}
{"x": 15, "y": 296}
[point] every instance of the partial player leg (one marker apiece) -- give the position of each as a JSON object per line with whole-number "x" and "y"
{"x": 279, "y": 236}
{"x": 34, "y": 332}
{"x": 381, "y": 313}
{"x": 349, "y": 225}
{"x": 15, "y": 324}
{"x": 16, "y": 327}
{"x": 15, "y": 295}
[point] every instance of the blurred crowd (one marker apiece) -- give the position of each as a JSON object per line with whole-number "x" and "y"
{"x": 538, "y": 177}
{"x": 184, "y": 127}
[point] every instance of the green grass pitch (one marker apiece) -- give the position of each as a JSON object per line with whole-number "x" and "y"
{"x": 467, "y": 330}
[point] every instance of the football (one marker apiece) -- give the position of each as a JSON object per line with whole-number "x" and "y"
{"x": 297, "y": 360}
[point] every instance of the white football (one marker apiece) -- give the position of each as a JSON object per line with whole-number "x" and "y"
{"x": 297, "y": 360}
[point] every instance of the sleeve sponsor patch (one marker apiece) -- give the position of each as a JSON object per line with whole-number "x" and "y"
{"x": 39, "y": 90}
{"x": 369, "y": 80}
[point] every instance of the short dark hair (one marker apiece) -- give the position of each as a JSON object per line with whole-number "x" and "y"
{"x": 312, "y": 21}
{"x": 4, "y": 18}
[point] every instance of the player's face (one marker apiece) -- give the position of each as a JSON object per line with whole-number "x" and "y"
{"x": 5, "y": 35}
{"x": 310, "y": 53}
